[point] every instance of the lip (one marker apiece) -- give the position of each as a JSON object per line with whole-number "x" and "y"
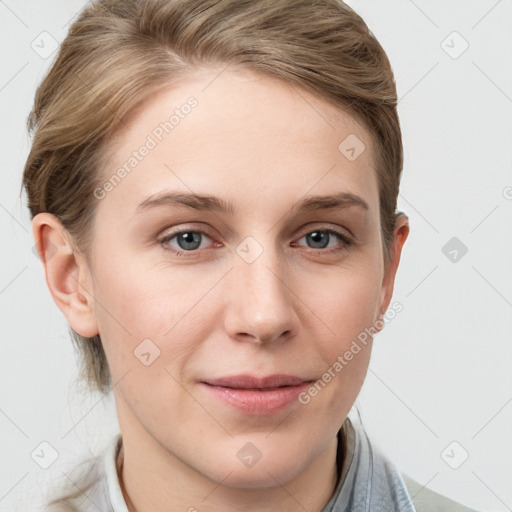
{"x": 257, "y": 395}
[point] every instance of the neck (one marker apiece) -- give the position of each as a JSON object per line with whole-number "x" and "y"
{"x": 309, "y": 490}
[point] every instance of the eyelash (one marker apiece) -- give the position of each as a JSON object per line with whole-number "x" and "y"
{"x": 347, "y": 241}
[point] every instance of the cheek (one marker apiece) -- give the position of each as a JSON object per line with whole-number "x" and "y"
{"x": 347, "y": 307}
{"x": 347, "y": 300}
{"x": 136, "y": 302}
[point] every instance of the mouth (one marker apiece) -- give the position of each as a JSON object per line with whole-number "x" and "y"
{"x": 256, "y": 395}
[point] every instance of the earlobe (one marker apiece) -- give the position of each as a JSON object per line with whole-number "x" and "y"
{"x": 66, "y": 274}
{"x": 400, "y": 234}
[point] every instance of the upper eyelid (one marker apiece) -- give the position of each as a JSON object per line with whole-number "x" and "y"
{"x": 172, "y": 234}
{"x": 325, "y": 227}
{"x": 318, "y": 225}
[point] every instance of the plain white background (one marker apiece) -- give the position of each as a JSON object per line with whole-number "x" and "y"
{"x": 439, "y": 387}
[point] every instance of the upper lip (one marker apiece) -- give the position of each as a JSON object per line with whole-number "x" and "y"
{"x": 251, "y": 382}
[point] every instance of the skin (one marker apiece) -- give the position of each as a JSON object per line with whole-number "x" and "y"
{"x": 264, "y": 146}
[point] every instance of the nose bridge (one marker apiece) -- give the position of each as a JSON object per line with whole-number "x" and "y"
{"x": 261, "y": 303}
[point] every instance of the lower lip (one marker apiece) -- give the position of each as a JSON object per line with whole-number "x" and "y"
{"x": 258, "y": 402}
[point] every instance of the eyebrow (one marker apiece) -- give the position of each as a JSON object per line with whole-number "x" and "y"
{"x": 206, "y": 202}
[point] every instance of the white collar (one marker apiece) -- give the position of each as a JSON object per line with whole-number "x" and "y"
{"x": 113, "y": 485}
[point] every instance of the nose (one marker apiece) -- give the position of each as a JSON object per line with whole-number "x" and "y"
{"x": 262, "y": 305}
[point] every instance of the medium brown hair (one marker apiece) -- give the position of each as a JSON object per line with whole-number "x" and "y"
{"x": 119, "y": 52}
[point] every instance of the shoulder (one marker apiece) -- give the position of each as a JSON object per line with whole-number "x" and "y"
{"x": 85, "y": 486}
{"x": 426, "y": 500}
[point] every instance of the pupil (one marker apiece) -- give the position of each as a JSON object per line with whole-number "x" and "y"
{"x": 316, "y": 236}
{"x": 185, "y": 239}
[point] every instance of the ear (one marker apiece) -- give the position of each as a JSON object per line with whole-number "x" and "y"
{"x": 66, "y": 272}
{"x": 400, "y": 234}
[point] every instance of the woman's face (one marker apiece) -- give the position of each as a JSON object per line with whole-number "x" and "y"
{"x": 217, "y": 254}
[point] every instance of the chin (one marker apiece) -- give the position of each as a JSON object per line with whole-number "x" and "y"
{"x": 258, "y": 465}
{"x": 270, "y": 473}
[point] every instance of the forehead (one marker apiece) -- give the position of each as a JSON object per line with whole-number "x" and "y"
{"x": 241, "y": 135}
